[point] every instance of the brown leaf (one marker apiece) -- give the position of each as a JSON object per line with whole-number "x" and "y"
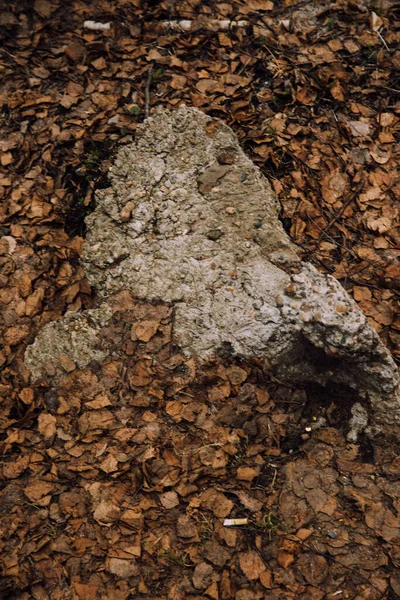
{"x": 45, "y": 8}
{"x": 47, "y": 425}
{"x": 351, "y": 46}
{"x": 338, "y": 92}
{"x": 169, "y": 500}
{"x": 27, "y": 395}
{"x": 306, "y": 96}
{"x": 13, "y": 469}
{"x": 202, "y": 576}
{"x": 66, "y": 363}
{"x": 251, "y": 564}
{"x": 217, "y": 502}
{"x": 178, "y": 82}
{"x": 247, "y": 473}
{"x": 215, "y": 553}
{"x": 285, "y": 559}
{"x": 216, "y": 458}
{"x": 261, "y": 5}
{"x": 321, "y": 501}
{"x": 144, "y": 330}
{"x": 34, "y": 302}
{"x": 36, "y": 491}
{"x": 106, "y": 512}
{"x": 133, "y": 517}
{"x": 266, "y": 579}
{"x": 16, "y": 335}
{"x": 74, "y": 51}
{"x": 123, "y": 568}
{"x": 359, "y": 128}
{"x": 252, "y": 504}
{"x": 380, "y": 224}
{"x": 314, "y": 568}
{"x": 109, "y": 464}
{"x": 380, "y": 156}
{"x": 185, "y": 527}
{"x": 236, "y": 375}
{"x": 210, "y": 86}
{"x": 86, "y": 591}
{"x": 99, "y": 402}
{"x": 99, "y": 63}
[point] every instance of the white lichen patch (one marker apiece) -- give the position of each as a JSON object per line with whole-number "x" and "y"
{"x": 72, "y": 340}
{"x": 202, "y": 225}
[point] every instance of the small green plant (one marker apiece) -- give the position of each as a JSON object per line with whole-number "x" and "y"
{"x": 92, "y": 159}
{"x": 134, "y": 110}
{"x": 275, "y": 100}
{"x": 271, "y": 521}
{"x": 157, "y": 74}
{"x": 269, "y": 525}
{"x": 182, "y": 560}
{"x": 206, "y": 528}
{"x": 242, "y": 451}
{"x": 330, "y": 22}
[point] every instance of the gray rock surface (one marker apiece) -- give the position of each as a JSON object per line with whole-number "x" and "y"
{"x": 74, "y": 339}
{"x": 190, "y": 220}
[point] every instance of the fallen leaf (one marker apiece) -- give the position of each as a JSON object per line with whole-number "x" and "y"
{"x": 109, "y": 464}
{"x": 217, "y": 502}
{"x": 36, "y": 491}
{"x": 122, "y": 568}
{"x": 251, "y": 564}
{"x": 246, "y": 473}
{"x": 144, "y": 330}
{"x": 359, "y": 128}
{"x": 380, "y": 224}
{"x": 236, "y": 375}
{"x": 380, "y": 156}
{"x": 185, "y": 527}
{"x": 47, "y": 425}
{"x": 202, "y": 576}
{"x": 106, "y": 513}
{"x": 169, "y": 500}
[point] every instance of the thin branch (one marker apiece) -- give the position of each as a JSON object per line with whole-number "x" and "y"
{"x": 147, "y": 92}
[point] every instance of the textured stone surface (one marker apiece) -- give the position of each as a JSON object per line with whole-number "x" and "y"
{"x": 75, "y": 336}
{"x": 190, "y": 220}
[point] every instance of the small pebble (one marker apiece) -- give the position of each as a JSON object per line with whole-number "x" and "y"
{"x": 51, "y": 400}
{"x": 331, "y": 534}
{"x": 215, "y": 234}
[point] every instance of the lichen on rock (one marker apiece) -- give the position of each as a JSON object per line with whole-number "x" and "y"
{"x": 70, "y": 342}
{"x": 190, "y": 220}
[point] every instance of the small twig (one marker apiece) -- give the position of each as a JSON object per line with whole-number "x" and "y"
{"x": 340, "y": 212}
{"x": 383, "y": 41}
{"x": 147, "y": 92}
{"x": 390, "y": 89}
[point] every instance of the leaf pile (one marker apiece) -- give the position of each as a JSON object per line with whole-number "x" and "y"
{"x": 118, "y": 480}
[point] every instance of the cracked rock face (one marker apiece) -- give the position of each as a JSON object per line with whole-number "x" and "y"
{"x": 190, "y": 220}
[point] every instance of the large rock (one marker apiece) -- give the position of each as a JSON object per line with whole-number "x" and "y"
{"x": 190, "y": 220}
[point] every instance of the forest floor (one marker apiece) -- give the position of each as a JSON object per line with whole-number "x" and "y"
{"x": 116, "y": 483}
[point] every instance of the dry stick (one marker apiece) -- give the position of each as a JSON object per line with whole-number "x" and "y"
{"x": 340, "y": 212}
{"x": 147, "y": 92}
